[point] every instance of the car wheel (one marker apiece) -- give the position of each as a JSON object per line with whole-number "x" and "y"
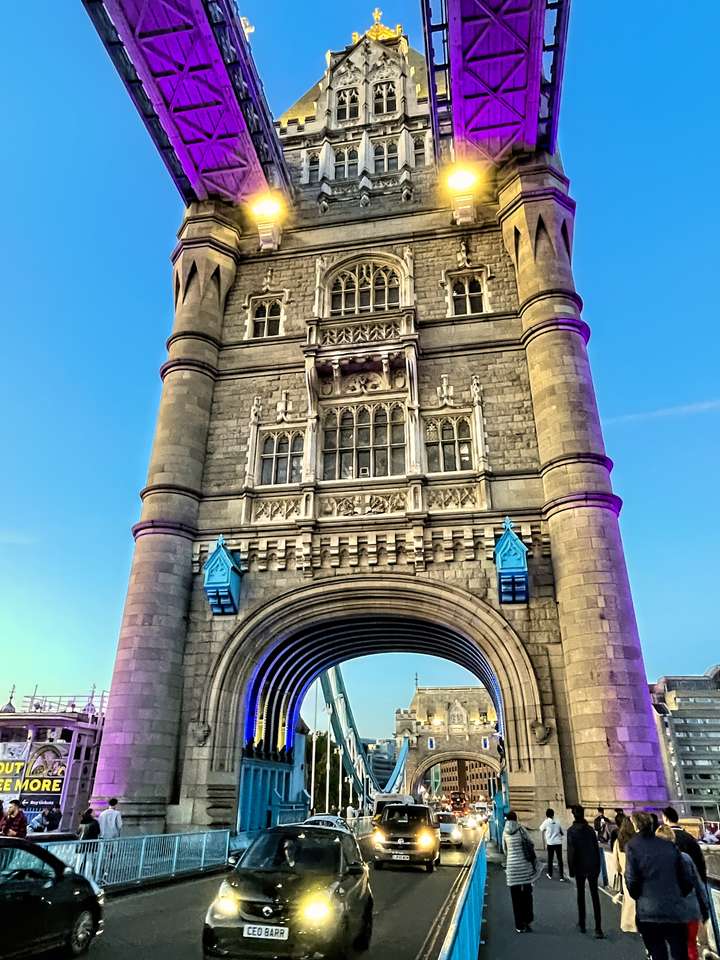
{"x": 430, "y": 866}
{"x": 363, "y": 939}
{"x": 341, "y": 949}
{"x": 81, "y": 933}
{"x": 379, "y": 865}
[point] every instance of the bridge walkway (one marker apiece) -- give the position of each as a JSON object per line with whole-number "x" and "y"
{"x": 554, "y": 934}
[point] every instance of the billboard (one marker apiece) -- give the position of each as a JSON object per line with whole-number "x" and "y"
{"x": 33, "y": 771}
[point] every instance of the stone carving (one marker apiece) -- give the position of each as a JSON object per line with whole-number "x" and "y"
{"x": 363, "y": 383}
{"x": 541, "y": 730}
{"x": 348, "y": 72}
{"x": 452, "y": 498}
{"x": 463, "y": 257}
{"x": 384, "y": 69}
{"x": 360, "y": 333}
{"x": 201, "y": 733}
{"x": 267, "y": 280}
{"x": 368, "y": 504}
{"x": 445, "y": 391}
{"x": 476, "y": 391}
{"x": 256, "y": 411}
{"x": 284, "y": 407}
{"x": 277, "y": 509}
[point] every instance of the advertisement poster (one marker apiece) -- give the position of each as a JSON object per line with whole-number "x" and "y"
{"x": 33, "y": 771}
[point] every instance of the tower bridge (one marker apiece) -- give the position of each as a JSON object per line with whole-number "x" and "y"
{"x": 378, "y": 430}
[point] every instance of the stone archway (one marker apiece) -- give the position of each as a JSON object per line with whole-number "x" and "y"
{"x": 430, "y": 759}
{"x": 265, "y": 667}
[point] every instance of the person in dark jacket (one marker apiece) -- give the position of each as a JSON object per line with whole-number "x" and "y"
{"x": 686, "y": 843}
{"x": 14, "y": 823}
{"x": 89, "y": 826}
{"x": 583, "y": 854}
{"x": 658, "y": 879}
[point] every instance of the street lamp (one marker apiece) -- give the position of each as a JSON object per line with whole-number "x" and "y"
{"x": 339, "y": 752}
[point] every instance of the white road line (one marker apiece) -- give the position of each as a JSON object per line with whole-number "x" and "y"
{"x": 428, "y": 944}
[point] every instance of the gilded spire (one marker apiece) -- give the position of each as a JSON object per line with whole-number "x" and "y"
{"x": 378, "y": 31}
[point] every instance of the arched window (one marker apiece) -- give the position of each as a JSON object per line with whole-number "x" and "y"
{"x": 367, "y": 287}
{"x": 448, "y": 444}
{"x": 348, "y": 104}
{"x": 266, "y": 318}
{"x": 281, "y": 458}
{"x": 367, "y": 441}
{"x": 419, "y": 151}
{"x": 466, "y": 296}
{"x": 313, "y": 168}
{"x": 386, "y": 157}
{"x": 346, "y": 163}
{"x": 384, "y": 99}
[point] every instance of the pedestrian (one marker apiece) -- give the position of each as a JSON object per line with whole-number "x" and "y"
{"x": 618, "y": 822}
{"x": 89, "y": 827}
{"x": 698, "y": 905}
{"x": 686, "y": 842}
{"x": 14, "y": 823}
{"x": 601, "y": 826}
{"x": 54, "y": 817}
{"x": 553, "y": 834}
{"x": 658, "y": 880}
{"x": 39, "y": 823}
{"x": 89, "y": 830}
{"x": 626, "y": 832}
{"x": 110, "y": 821}
{"x": 520, "y": 866}
{"x": 584, "y": 857}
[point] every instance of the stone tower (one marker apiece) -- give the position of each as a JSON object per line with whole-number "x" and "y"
{"x": 355, "y": 399}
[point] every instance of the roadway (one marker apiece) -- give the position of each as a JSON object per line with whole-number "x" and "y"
{"x": 412, "y": 911}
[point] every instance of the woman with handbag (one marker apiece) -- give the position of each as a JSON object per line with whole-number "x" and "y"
{"x": 520, "y": 867}
{"x": 626, "y": 832}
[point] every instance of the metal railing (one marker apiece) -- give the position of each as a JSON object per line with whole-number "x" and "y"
{"x": 361, "y": 826}
{"x": 134, "y": 861}
{"x": 462, "y": 941}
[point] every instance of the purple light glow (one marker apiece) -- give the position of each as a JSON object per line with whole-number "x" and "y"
{"x": 176, "y": 56}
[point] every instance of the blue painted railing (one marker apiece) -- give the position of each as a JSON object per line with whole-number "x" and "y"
{"x": 135, "y": 861}
{"x": 398, "y": 775}
{"x": 463, "y": 937}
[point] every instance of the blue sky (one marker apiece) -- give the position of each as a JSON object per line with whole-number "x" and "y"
{"x": 89, "y": 220}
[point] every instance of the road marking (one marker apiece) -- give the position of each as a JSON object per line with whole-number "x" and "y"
{"x": 428, "y": 944}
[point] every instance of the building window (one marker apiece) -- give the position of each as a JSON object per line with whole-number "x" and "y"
{"x": 466, "y": 296}
{"x": 266, "y": 318}
{"x": 281, "y": 458}
{"x": 419, "y": 151}
{"x": 384, "y": 99}
{"x": 364, "y": 442}
{"x": 348, "y": 104}
{"x": 346, "y": 164}
{"x": 313, "y": 168}
{"x": 386, "y": 157}
{"x": 367, "y": 287}
{"x": 448, "y": 445}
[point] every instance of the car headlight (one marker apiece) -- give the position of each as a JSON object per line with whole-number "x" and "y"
{"x": 456, "y": 834}
{"x": 227, "y": 902}
{"x": 425, "y": 840}
{"x": 472, "y": 822}
{"x": 379, "y": 836}
{"x": 316, "y": 909}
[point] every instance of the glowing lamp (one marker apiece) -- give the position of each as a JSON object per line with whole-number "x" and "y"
{"x": 461, "y": 182}
{"x": 268, "y": 212}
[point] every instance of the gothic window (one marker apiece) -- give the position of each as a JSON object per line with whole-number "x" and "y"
{"x": 384, "y": 99}
{"x": 346, "y": 164}
{"x": 364, "y": 442}
{"x": 386, "y": 157}
{"x": 266, "y": 318}
{"x": 448, "y": 444}
{"x": 466, "y": 296}
{"x": 313, "y": 168}
{"x": 419, "y": 151}
{"x": 367, "y": 287}
{"x": 348, "y": 104}
{"x": 281, "y": 458}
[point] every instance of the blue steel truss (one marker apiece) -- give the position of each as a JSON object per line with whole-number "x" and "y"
{"x": 354, "y": 758}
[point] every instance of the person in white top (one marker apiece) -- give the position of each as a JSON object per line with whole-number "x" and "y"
{"x": 110, "y": 821}
{"x": 553, "y": 834}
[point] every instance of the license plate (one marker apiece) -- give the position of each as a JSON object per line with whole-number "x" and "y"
{"x": 401, "y": 856}
{"x": 258, "y": 932}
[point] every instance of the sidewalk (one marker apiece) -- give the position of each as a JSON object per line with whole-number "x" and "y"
{"x": 554, "y": 935}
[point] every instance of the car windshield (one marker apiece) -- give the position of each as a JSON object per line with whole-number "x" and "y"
{"x": 446, "y": 818}
{"x": 293, "y": 853}
{"x": 411, "y": 815}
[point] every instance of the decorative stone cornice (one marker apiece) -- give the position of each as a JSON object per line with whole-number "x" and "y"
{"x": 192, "y": 335}
{"x": 168, "y": 527}
{"x": 552, "y": 325}
{"x": 172, "y": 488}
{"x": 550, "y": 294}
{"x": 572, "y": 501}
{"x": 199, "y": 366}
{"x": 568, "y": 459}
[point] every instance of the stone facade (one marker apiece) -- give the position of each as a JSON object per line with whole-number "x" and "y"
{"x": 463, "y": 351}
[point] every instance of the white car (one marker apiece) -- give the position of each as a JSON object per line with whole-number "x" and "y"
{"x": 328, "y": 820}
{"x": 450, "y": 830}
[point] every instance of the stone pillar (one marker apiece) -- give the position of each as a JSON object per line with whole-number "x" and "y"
{"x": 138, "y": 755}
{"x": 616, "y": 751}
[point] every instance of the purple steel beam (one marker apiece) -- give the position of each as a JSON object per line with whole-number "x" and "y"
{"x": 504, "y": 76}
{"x": 189, "y": 70}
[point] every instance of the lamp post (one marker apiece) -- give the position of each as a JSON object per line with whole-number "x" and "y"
{"x": 339, "y": 752}
{"x": 314, "y": 755}
{"x": 327, "y": 762}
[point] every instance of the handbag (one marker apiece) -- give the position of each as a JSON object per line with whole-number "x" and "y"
{"x": 528, "y": 847}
